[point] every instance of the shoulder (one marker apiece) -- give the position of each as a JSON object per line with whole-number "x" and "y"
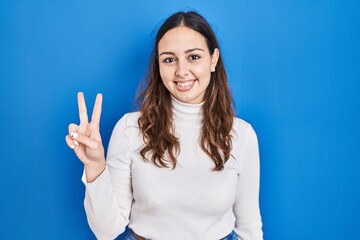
{"x": 129, "y": 120}
{"x": 243, "y": 130}
{"x": 127, "y": 124}
{"x": 240, "y": 125}
{"x": 125, "y": 136}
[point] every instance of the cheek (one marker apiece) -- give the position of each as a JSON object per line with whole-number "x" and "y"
{"x": 202, "y": 68}
{"x": 166, "y": 74}
{"x": 202, "y": 72}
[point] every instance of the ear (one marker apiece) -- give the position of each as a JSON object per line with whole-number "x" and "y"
{"x": 214, "y": 59}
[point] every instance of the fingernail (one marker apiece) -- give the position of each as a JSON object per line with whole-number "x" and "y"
{"x": 74, "y": 135}
{"x": 72, "y": 146}
{"x": 76, "y": 143}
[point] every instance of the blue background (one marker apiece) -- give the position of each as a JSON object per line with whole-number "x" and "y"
{"x": 294, "y": 69}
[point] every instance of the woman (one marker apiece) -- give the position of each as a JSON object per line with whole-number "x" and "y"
{"x": 183, "y": 167}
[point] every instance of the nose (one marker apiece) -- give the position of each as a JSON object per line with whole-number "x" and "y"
{"x": 182, "y": 69}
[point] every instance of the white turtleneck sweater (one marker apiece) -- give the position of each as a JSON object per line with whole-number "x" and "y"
{"x": 191, "y": 202}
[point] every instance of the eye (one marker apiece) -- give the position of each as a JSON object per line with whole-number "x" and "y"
{"x": 168, "y": 60}
{"x": 194, "y": 57}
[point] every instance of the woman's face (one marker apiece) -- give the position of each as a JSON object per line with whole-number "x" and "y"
{"x": 186, "y": 64}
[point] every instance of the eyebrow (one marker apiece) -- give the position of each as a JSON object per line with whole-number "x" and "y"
{"x": 187, "y": 51}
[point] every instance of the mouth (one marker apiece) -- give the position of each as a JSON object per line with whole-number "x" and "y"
{"x": 184, "y": 85}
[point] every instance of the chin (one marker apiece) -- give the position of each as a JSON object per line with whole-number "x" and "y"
{"x": 189, "y": 100}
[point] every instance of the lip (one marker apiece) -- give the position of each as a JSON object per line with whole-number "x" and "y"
{"x": 184, "y": 86}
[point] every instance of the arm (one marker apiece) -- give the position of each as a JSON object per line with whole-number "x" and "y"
{"x": 108, "y": 195}
{"x": 248, "y": 219}
{"x": 108, "y": 199}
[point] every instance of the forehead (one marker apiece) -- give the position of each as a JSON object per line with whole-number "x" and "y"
{"x": 181, "y": 39}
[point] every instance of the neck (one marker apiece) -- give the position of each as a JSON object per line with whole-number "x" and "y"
{"x": 185, "y": 113}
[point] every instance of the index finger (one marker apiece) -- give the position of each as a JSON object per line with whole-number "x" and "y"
{"x": 95, "y": 118}
{"x": 82, "y": 109}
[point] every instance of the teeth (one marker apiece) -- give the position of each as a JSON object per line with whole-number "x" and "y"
{"x": 184, "y": 84}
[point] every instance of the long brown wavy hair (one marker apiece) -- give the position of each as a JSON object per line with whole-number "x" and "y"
{"x": 156, "y": 123}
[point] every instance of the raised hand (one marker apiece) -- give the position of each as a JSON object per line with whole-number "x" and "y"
{"x": 85, "y": 139}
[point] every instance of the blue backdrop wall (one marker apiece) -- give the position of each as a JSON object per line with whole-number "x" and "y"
{"x": 294, "y": 69}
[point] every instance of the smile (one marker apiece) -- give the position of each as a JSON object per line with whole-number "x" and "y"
{"x": 185, "y": 85}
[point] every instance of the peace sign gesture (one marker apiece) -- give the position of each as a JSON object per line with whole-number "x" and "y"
{"x": 85, "y": 138}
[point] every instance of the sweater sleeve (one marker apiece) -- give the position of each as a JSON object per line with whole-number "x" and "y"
{"x": 248, "y": 225}
{"x": 108, "y": 199}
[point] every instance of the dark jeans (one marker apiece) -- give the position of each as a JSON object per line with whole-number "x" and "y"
{"x": 231, "y": 236}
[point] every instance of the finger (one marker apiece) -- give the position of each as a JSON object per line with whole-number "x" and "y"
{"x": 88, "y": 142}
{"x": 73, "y": 128}
{"x": 69, "y": 142}
{"x": 96, "y": 114}
{"x": 82, "y": 109}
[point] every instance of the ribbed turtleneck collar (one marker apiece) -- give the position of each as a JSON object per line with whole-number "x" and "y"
{"x": 185, "y": 113}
